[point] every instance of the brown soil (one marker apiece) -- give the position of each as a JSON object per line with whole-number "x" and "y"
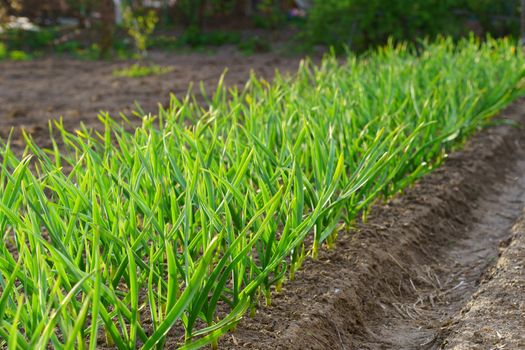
{"x": 494, "y": 318}
{"x": 423, "y": 272}
{"x": 31, "y": 93}
{"x": 418, "y": 274}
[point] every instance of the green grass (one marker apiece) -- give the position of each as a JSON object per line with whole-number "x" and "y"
{"x": 138, "y": 70}
{"x": 13, "y": 55}
{"x": 192, "y": 218}
{"x": 3, "y": 51}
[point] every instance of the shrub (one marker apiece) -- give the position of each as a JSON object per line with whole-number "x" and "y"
{"x": 191, "y": 12}
{"x": 254, "y": 44}
{"x": 499, "y": 18}
{"x": 18, "y": 55}
{"x": 195, "y": 38}
{"x": 3, "y": 51}
{"x": 269, "y": 14}
{"x": 22, "y": 39}
{"x": 360, "y": 24}
{"x": 15, "y": 55}
{"x": 140, "y": 26}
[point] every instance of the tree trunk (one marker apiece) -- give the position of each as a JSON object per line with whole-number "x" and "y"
{"x": 522, "y": 38}
{"x": 107, "y": 19}
{"x": 245, "y": 7}
{"x": 201, "y": 14}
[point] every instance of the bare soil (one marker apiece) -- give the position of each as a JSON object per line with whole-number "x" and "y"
{"x": 440, "y": 266}
{"x": 494, "y": 317}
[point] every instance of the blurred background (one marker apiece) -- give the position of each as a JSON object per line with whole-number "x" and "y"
{"x": 124, "y": 28}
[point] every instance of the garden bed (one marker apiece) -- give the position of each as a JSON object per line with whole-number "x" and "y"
{"x": 423, "y": 272}
{"x": 167, "y": 221}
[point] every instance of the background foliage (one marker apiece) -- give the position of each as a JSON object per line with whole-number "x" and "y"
{"x": 357, "y": 24}
{"x": 360, "y": 24}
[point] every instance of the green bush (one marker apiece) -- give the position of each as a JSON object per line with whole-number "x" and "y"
{"x": 20, "y": 39}
{"x": 194, "y": 37}
{"x": 165, "y": 42}
{"x": 269, "y": 15}
{"x": 499, "y": 18}
{"x": 360, "y": 24}
{"x": 14, "y": 55}
{"x": 191, "y": 12}
{"x": 3, "y": 51}
{"x": 254, "y": 44}
{"x": 18, "y": 55}
{"x": 140, "y": 26}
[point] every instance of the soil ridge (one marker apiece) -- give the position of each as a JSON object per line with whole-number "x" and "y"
{"x": 384, "y": 286}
